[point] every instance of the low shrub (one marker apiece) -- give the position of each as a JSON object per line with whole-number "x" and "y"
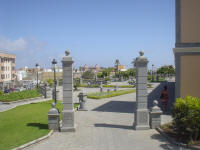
{"x": 186, "y": 117}
{"x": 20, "y": 95}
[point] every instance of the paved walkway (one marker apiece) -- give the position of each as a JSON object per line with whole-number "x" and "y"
{"x": 107, "y": 125}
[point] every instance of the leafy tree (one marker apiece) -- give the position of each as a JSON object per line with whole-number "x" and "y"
{"x": 166, "y": 70}
{"x": 88, "y": 75}
{"x": 132, "y": 72}
{"x": 76, "y": 83}
{"x": 100, "y": 75}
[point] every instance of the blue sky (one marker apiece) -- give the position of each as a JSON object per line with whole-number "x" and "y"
{"x": 95, "y": 31}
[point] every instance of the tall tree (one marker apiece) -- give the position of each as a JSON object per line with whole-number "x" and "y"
{"x": 88, "y": 75}
{"x": 117, "y": 63}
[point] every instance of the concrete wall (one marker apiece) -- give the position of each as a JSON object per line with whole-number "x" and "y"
{"x": 190, "y": 21}
{"x": 190, "y": 75}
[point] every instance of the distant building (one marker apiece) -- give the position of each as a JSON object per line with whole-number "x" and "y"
{"x": 121, "y": 68}
{"x": 7, "y": 69}
{"x": 96, "y": 68}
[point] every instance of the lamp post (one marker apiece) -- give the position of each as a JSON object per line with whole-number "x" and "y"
{"x": 37, "y": 67}
{"x": 54, "y": 62}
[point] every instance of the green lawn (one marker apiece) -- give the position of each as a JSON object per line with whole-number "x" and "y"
{"x": 14, "y": 96}
{"x": 24, "y": 124}
{"x": 100, "y": 95}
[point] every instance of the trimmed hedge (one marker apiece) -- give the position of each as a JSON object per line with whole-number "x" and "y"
{"x": 14, "y": 96}
{"x": 100, "y": 95}
{"x": 186, "y": 117}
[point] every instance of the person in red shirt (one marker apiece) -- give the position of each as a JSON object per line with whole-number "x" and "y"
{"x": 164, "y": 98}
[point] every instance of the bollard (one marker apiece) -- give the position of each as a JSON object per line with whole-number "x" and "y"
{"x": 155, "y": 115}
{"x": 53, "y": 118}
{"x": 82, "y": 101}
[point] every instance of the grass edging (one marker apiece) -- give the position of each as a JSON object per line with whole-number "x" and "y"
{"x": 34, "y": 141}
{"x": 171, "y": 140}
{"x": 110, "y": 94}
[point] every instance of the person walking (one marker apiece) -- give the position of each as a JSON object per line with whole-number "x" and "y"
{"x": 164, "y": 98}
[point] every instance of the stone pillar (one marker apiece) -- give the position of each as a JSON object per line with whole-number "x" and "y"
{"x": 142, "y": 112}
{"x": 68, "y": 124}
{"x": 155, "y": 115}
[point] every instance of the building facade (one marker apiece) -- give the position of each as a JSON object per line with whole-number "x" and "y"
{"x": 187, "y": 48}
{"x": 96, "y": 68}
{"x": 7, "y": 69}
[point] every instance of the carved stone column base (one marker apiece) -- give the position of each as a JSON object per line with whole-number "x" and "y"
{"x": 141, "y": 119}
{"x": 68, "y": 124}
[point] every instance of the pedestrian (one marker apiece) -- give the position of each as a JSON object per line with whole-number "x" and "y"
{"x": 164, "y": 98}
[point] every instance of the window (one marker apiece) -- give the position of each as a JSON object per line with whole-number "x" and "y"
{"x": 13, "y": 68}
{"x": 3, "y": 76}
{"x": 2, "y": 68}
{"x": 13, "y": 60}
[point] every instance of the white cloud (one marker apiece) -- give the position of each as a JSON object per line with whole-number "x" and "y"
{"x": 12, "y": 45}
{"x": 28, "y": 50}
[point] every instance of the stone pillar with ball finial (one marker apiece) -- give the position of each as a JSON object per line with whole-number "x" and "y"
{"x": 142, "y": 113}
{"x": 68, "y": 123}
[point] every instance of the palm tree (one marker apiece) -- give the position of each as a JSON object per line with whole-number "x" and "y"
{"x": 133, "y": 62}
{"x": 116, "y": 65}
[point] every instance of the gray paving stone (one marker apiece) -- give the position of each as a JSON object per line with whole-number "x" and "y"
{"x": 107, "y": 125}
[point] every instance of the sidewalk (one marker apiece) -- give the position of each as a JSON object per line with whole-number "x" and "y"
{"x": 107, "y": 125}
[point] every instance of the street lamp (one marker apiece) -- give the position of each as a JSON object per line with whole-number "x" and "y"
{"x": 37, "y": 67}
{"x": 54, "y": 62}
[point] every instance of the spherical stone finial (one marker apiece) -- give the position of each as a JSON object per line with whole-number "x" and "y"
{"x": 67, "y": 52}
{"x": 155, "y": 103}
{"x": 141, "y": 53}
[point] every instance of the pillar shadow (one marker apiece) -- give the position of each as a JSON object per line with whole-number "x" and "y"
{"x": 117, "y": 106}
{"x": 113, "y": 126}
{"x": 38, "y": 125}
{"x": 155, "y": 95}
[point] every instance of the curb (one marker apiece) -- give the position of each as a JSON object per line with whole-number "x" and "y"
{"x": 23, "y": 100}
{"x": 34, "y": 141}
{"x": 171, "y": 140}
